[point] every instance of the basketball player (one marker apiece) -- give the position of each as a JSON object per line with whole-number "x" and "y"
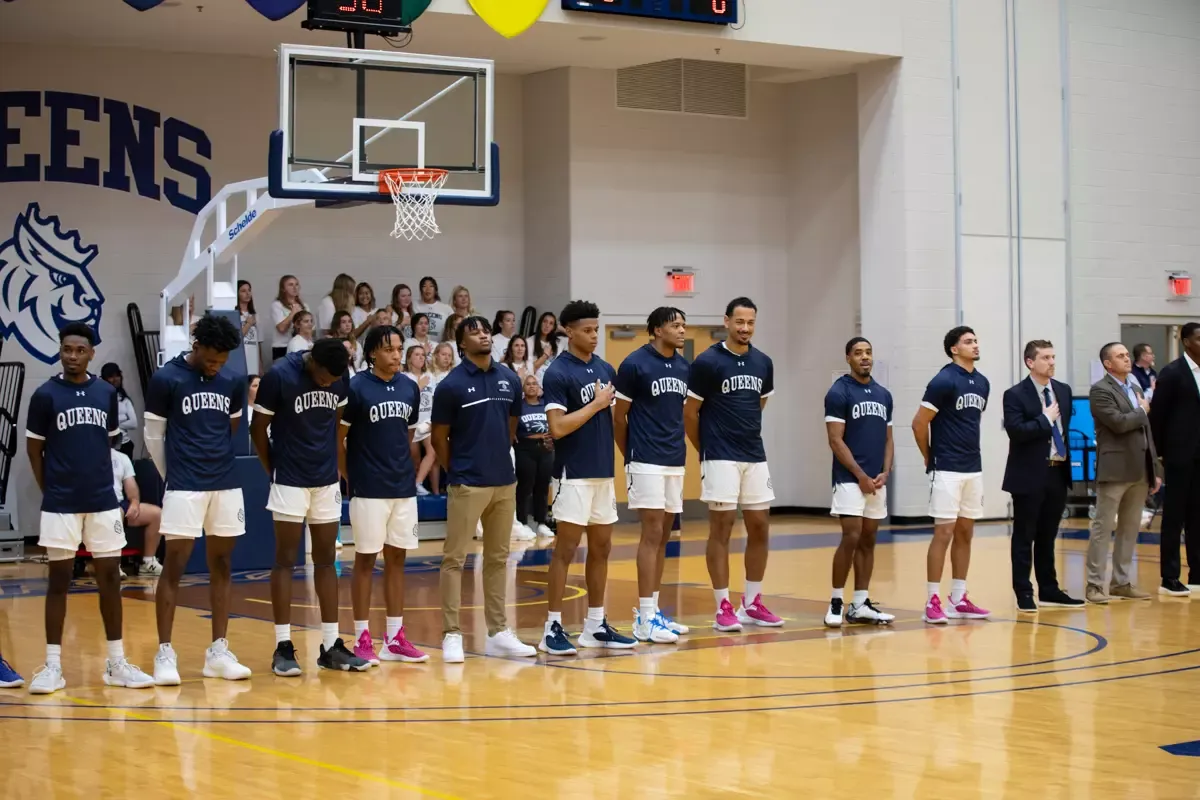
{"x": 579, "y": 393}
{"x": 192, "y": 411}
{"x": 648, "y": 426}
{"x": 375, "y": 451}
{"x": 858, "y": 420}
{"x": 946, "y": 428}
{"x": 301, "y": 399}
{"x": 728, "y": 387}
{"x": 72, "y": 420}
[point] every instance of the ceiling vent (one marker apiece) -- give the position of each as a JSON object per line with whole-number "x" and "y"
{"x": 684, "y": 86}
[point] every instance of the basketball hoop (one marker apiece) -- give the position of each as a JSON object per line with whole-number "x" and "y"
{"x": 414, "y": 210}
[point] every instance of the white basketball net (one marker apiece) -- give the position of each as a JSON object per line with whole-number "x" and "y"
{"x": 414, "y": 211}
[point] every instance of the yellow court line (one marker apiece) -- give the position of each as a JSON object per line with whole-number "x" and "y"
{"x": 257, "y": 748}
{"x": 579, "y": 592}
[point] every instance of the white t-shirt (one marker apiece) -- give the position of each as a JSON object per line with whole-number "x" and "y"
{"x": 278, "y": 315}
{"x": 122, "y": 469}
{"x": 428, "y": 344}
{"x": 298, "y": 344}
{"x": 426, "y": 410}
{"x": 499, "y": 345}
{"x": 250, "y": 340}
{"x": 437, "y": 313}
{"x": 325, "y": 312}
{"x": 360, "y": 316}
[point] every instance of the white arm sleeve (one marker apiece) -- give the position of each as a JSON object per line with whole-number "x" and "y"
{"x": 155, "y": 435}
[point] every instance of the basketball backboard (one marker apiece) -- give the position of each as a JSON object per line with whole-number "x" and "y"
{"x": 345, "y": 114}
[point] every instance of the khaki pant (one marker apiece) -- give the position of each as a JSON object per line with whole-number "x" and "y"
{"x": 1122, "y": 502}
{"x": 465, "y": 507}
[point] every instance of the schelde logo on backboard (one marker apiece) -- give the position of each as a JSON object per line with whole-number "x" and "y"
{"x": 242, "y": 223}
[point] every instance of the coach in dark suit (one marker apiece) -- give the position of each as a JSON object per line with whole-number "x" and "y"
{"x": 1175, "y": 423}
{"x": 1037, "y": 416}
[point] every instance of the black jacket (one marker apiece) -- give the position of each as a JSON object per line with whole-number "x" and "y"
{"x": 1175, "y": 414}
{"x": 1029, "y": 435}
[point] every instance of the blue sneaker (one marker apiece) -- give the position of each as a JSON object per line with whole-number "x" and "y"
{"x": 555, "y": 642}
{"x": 652, "y": 629}
{"x": 670, "y": 624}
{"x": 9, "y": 679}
{"x": 604, "y": 636}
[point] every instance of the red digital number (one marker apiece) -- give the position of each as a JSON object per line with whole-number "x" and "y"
{"x": 354, "y": 6}
{"x": 718, "y": 6}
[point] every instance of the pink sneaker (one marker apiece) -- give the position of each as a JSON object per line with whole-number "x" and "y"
{"x": 726, "y": 620}
{"x": 965, "y": 609}
{"x": 364, "y": 648}
{"x": 934, "y": 614}
{"x": 400, "y": 649}
{"x": 757, "y": 614}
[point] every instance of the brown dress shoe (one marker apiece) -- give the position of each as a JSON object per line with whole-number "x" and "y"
{"x": 1128, "y": 592}
{"x": 1095, "y": 594}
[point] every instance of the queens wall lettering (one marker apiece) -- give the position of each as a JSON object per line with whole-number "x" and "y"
{"x": 136, "y": 135}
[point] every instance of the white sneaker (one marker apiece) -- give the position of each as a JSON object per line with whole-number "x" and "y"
{"x": 505, "y": 643}
{"x": 220, "y": 662}
{"x": 672, "y": 625}
{"x": 452, "y": 652}
{"x": 122, "y": 673}
{"x": 833, "y": 616}
{"x": 652, "y": 630}
{"x": 544, "y": 530}
{"x": 166, "y": 666}
{"x": 47, "y": 680}
{"x": 422, "y": 491}
{"x": 522, "y": 533}
{"x": 868, "y": 614}
{"x": 151, "y": 567}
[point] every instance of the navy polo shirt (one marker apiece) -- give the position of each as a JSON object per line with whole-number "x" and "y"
{"x": 476, "y": 404}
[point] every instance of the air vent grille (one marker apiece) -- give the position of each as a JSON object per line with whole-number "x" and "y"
{"x": 712, "y": 88}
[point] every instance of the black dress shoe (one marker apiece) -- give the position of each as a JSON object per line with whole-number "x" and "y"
{"x": 1174, "y": 588}
{"x": 1025, "y": 604}
{"x": 1059, "y": 599}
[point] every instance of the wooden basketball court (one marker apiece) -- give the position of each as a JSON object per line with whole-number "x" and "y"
{"x": 1067, "y": 704}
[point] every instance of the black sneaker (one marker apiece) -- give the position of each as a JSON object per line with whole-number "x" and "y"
{"x": 284, "y": 663}
{"x": 605, "y": 636}
{"x": 341, "y": 659}
{"x": 1174, "y": 588}
{"x": 556, "y": 642}
{"x": 1026, "y": 605}
{"x": 868, "y": 614}
{"x": 1057, "y": 598}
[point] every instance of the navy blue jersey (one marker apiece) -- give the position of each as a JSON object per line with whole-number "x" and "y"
{"x": 866, "y": 410}
{"x": 531, "y": 419}
{"x": 76, "y": 421}
{"x": 655, "y": 387}
{"x": 476, "y": 405}
{"x": 303, "y": 423}
{"x": 568, "y": 385}
{"x": 959, "y": 398}
{"x": 731, "y": 388}
{"x": 197, "y": 410}
{"x": 379, "y": 415}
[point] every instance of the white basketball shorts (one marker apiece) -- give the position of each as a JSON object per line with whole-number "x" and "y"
{"x": 650, "y": 487}
{"x": 318, "y": 504}
{"x": 191, "y": 514}
{"x": 725, "y": 485}
{"x": 585, "y": 501}
{"x": 99, "y": 531}
{"x": 956, "y": 494}
{"x": 375, "y": 522}
{"x": 849, "y": 501}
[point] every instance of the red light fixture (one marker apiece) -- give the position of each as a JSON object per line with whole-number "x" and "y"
{"x": 1181, "y": 285}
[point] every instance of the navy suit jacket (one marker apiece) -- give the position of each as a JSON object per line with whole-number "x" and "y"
{"x": 1029, "y": 435}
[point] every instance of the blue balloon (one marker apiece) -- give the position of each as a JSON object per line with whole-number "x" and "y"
{"x": 143, "y": 5}
{"x": 275, "y": 10}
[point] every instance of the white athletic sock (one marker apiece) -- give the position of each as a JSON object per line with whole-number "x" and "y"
{"x": 552, "y": 617}
{"x": 283, "y": 633}
{"x": 655, "y": 596}
{"x": 595, "y": 615}
{"x": 720, "y": 595}
{"x": 394, "y": 624}
{"x": 860, "y": 597}
{"x": 360, "y": 625}
{"x": 932, "y": 589}
{"x": 54, "y": 655}
{"x": 957, "y": 590}
{"x": 753, "y": 591}
{"x": 329, "y": 634}
{"x": 838, "y": 594}
{"x": 116, "y": 650}
{"x": 646, "y": 608}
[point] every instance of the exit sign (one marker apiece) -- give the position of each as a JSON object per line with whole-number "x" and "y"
{"x": 681, "y": 282}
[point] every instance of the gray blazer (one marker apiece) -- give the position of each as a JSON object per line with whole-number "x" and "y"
{"x": 1124, "y": 447}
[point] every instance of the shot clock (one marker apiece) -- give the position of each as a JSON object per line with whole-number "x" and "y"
{"x": 383, "y": 17}
{"x": 715, "y": 12}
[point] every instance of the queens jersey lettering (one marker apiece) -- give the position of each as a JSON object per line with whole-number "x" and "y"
{"x": 379, "y": 415}
{"x": 199, "y": 437}
{"x": 76, "y": 421}
{"x": 959, "y": 398}
{"x": 303, "y": 423}
{"x": 568, "y": 385}
{"x": 731, "y": 388}
{"x": 655, "y": 387}
{"x": 866, "y": 411}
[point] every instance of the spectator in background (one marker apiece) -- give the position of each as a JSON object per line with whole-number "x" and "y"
{"x": 284, "y": 308}
{"x": 302, "y": 328}
{"x": 443, "y": 360}
{"x": 402, "y": 309}
{"x": 249, "y": 319}
{"x": 460, "y": 303}
{"x": 516, "y": 358}
{"x": 535, "y": 457}
{"x": 252, "y": 382}
{"x": 420, "y": 334}
{"x": 415, "y": 368}
{"x": 363, "y": 312}
{"x": 505, "y": 327}
{"x": 137, "y": 514}
{"x": 340, "y": 298}
{"x": 452, "y": 323}
{"x": 432, "y": 307}
{"x": 1143, "y": 369}
{"x": 126, "y": 414}
{"x": 544, "y": 344}
{"x": 343, "y": 328}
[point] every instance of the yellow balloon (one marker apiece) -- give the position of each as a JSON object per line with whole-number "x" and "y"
{"x": 509, "y": 18}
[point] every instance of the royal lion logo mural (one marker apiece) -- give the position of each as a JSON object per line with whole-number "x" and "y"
{"x": 45, "y": 284}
